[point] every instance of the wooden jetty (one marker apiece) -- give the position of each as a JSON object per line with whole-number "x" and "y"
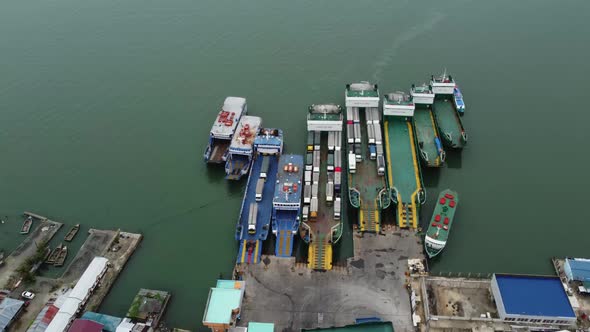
{"x": 73, "y": 231}
{"x": 34, "y": 215}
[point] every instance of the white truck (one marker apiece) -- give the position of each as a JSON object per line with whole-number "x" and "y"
{"x": 259, "y": 189}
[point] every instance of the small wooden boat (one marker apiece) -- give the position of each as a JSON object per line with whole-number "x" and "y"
{"x": 27, "y": 225}
{"x": 73, "y": 231}
{"x": 61, "y": 257}
{"x": 53, "y": 256}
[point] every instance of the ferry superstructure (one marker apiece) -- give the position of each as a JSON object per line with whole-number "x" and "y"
{"x": 321, "y": 224}
{"x": 286, "y": 204}
{"x": 403, "y": 164}
{"x": 430, "y": 146}
{"x": 255, "y": 214}
{"x": 223, "y": 129}
{"x": 367, "y": 186}
{"x": 447, "y": 115}
{"x": 241, "y": 149}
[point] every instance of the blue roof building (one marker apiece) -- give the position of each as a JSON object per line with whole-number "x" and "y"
{"x": 532, "y": 299}
{"x": 9, "y": 309}
{"x": 577, "y": 269}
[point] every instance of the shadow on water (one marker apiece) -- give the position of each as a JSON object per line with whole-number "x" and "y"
{"x": 454, "y": 159}
{"x": 431, "y": 176}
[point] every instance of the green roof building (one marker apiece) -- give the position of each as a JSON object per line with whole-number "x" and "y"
{"x": 223, "y": 305}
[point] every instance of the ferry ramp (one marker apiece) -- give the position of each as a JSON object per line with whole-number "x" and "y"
{"x": 285, "y": 231}
{"x": 320, "y": 246}
{"x": 426, "y": 135}
{"x": 369, "y": 184}
{"x": 250, "y": 247}
{"x": 449, "y": 123}
{"x": 403, "y": 169}
{"x": 218, "y": 149}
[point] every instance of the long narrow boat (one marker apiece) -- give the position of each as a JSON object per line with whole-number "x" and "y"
{"x": 254, "y": 222}
{"x": 429, "y": 142}
{"x": 51, "y": 259}
{"x": 448, "y": 119}
{"x": 26, "y": 228}
{"x": 286, "y": 204}
{"x": 223, "y": 129}
{"x": 458, "y": 101}
{"x": 367, "y": 191}
{"x": 61, "y": 257}
{"x": 439, "y": 228}
{"x": 403, "y": 164}
{"x": 321, "y": 225}
{"x": 73, "y": 231}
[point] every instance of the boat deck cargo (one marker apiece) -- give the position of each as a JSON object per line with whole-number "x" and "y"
{"x": 429, "y": 143}
{"x": 321, "y": 224}
{"x": 255, "y": 215}
{"x": 287, "y": 203}
{"x": 405, "y": 178}
{"x": 367, "y": 190}
{"x": 441, "y": 222}
{"x": 241, "y": 149}
{"x": 223, "y": 129}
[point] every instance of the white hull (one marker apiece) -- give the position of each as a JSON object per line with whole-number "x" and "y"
{"x": 362, "y": 101}
{"x": 434, "y": 244}
{"x": 423, "y": 98}
{"x": 399, "y": 110}
{"x": 443, "y": 88}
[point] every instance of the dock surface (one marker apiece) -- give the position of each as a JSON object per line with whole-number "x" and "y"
{"x": 373, "y": 284}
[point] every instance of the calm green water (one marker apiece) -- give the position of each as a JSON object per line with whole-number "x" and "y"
{"x": 105, "y": 108}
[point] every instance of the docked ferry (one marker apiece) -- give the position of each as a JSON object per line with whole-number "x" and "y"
{"x": 223, "y": 129}
{"x": 404, "y": 175}
{"x": 429, "y": 142}
{"x": 241, "y": 149}
{"x": 438, "y": 231}
{"x": 255, "y": 214}
{"x": 367, "y": 190}
{"x": 321, "y": 224}
{"x": 286, "y": 204}
{"x": 446, "y": 113}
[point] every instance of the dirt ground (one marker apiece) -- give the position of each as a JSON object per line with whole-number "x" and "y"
{"x": 43, "y": 289}
{"x": 44, "y": 231}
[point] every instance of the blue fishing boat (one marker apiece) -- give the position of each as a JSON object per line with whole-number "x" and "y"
{"x": 458, "y": 100}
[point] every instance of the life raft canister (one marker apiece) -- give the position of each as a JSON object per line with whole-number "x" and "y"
{"x": 452, "y": 204}
{"x": 437, "y": 218}
{"x": 446, "y": 228}
{"x": 434, "y": 224}
{"x": 446, "y": 220}
{"x": 443, "y": 201}
{"x": 449, "y": 196}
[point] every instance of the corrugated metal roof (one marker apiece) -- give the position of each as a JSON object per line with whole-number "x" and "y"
{"x": 8, "y": 309}
{"x": 84, "y": 325}
{"x": 579, "y": 267}
{"x": 109, "y": 323}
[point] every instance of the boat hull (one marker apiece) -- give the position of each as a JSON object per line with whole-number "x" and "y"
{"x": 437, "y": 235}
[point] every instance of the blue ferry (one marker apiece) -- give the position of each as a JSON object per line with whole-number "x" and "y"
{"x": 255, "y": 215}
{"x": 458, "y": 100}
{"x": 223, "y": 129}
{"x": 241, "y": 149}
{"x": 286, "y": 203}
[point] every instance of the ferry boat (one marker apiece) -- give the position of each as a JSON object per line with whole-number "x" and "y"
{"x": 430, "y": 145}
{"x": 442, "y": 219}
{"x": 404, "y": 175}
{"x": 286, "y": 204}
{"x": 446, "y": 113}
{"x": 367, "y": 190}
{"x": 321, "y": 224}
{"x": 223, "y": 129}
{"x": 241, "y": 149}
{"x": 458, "y": 101}
{"x": 443, "y": 84}
{"x": 255, "y": 214}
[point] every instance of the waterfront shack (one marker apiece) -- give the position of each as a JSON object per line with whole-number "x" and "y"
{"x": 148, "y": 306}
{"x": 9, "y": 310}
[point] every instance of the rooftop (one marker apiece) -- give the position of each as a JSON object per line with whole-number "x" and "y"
{"x": 421, "y": 89}
{"x": 260, "y": 327}
{"x": 365, "y": 327}
{"x": 109, "y": 323}
{"x": 223, "y": 301}
{"x": 284, "y": 190}
{"x": 84, "y": 325}
{"x": 269, "y": 136}
{"x": 146, "y": 303}
{"x": 246, "y": 132}
{"x": 8, "y": 309}
{"x": 533, "y": 296}
{"x": 398, "y": 98}
{"x": 363, "y": 89}
{"x": 326, "y": 112}
{"x": 228, "y": 117}
{"x": 579, "y": 268}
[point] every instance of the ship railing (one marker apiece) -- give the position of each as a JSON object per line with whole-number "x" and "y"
{"x": 443, "y": 156}
{"x": 424, "y": 154}
{"x": 336, "y": 233}
{"x": 355, "y": 197}
{"x": 383, "y": 192}
{"x": 306, "y": 227}
{"x": 449, "y": 136}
